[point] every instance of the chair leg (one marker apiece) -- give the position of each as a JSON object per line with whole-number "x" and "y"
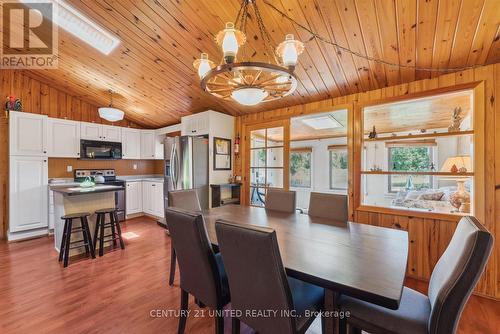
{"x": 353, "y": 330}
{"x": 199, "y": 303}
{"x": 219, "y": 321}
{"x": 235, "y": 325}
{"x": 342, "y": 326}
{"x": 89, "y": 237}
{"x": 96, "y": 231}
{"x": 68, "y": 242}
{"x": 113, "y": 232}
{"x": 119, "y": 230}
{"x": 101, "y": 235}
{"x": 63, "y": 241}
{"x": 184, "y": 312}
{"x": 84, "y": 235}
{"x": 323, "y": 324}
{"x": 172, "y": 265}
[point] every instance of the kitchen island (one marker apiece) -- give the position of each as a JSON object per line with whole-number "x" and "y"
{"x": 74, "y": 199}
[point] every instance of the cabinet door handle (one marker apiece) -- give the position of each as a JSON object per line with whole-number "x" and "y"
{"x": 44, "y": 152}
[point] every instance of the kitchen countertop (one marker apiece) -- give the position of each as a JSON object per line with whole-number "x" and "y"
{"x": 72, "y": 191}
{"x": 141, "y": 178}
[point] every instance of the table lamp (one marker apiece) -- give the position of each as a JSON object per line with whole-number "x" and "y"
{"x": 458, "y": 165}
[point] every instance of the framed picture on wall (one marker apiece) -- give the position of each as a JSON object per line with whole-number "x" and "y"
{"x": 222, "y": 154}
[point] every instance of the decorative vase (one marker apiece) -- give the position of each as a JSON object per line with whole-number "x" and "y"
{"x": 461, "y": 198}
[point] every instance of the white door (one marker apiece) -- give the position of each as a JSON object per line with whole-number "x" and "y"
{"x": 147, "y": 197}
{"x": 28, "y": 134}
{"x": 91, "y": 131}
{"x": 131, "y": 143}
{"x": 148, "y": 144}
{"x": 64, "y": 138}
{"x": 133, "y": 197}
{"x": 28, "y": 195}
{"x": 111, "y": 133}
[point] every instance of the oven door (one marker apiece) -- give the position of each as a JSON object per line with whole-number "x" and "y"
{"x": 100, "y": 150}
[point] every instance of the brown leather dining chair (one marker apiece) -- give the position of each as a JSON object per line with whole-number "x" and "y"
{"x": 451, "y": 284}
{"x": 258, "y": 282}
{"x": 280, "y": 200}
{"x": 187, "y": 200}
{"x": 329, "y": 206}
{"x": 201, "y": 270}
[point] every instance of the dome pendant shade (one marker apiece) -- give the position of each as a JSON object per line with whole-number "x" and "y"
{"x": 249, "y": 96}
{"x": 111, "y": 114}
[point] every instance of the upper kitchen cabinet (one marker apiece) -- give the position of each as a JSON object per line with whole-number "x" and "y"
{"x": 148, "y": 144}
{"x": 28, "y": 134}
{"x": 131, "y": 143}
{"x": 95, "y": 131}
{"x": 197, "y": 124}
{"x": 63, "y": 138}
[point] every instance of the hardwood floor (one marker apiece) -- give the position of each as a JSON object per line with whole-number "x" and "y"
{"x": 120, "y": 292}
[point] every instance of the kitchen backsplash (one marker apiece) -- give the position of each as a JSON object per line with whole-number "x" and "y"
{"x": 58, "y": 166}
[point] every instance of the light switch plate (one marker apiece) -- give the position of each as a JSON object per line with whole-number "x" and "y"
{"x": 135, "y": 166}
{"x": 69, "y": 168}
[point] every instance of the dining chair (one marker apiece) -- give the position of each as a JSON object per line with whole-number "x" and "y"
{"x": 452, "y": 281}
{"x": 329, "y": 206}
{"x": 280, "y": 200}
{"x": 187, "y": 200}
{"x": 258, "y": 282}
{"x": 202, "y": 272}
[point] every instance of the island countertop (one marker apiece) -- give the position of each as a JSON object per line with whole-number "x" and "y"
{"x": 72, "y": 191}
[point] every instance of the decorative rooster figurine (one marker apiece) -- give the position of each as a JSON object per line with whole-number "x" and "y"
{"x": 13, "y": 104}
{"x": 456, "y": 120}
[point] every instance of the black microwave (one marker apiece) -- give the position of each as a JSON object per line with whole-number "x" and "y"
{"x": 100, "y": 150}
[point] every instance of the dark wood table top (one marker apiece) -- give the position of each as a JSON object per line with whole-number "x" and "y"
{"x": 363, "y": 261}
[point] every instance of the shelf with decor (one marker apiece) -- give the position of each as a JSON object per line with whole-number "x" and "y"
{"x": 376, "y": 172}
{"x": 422, "y": 135}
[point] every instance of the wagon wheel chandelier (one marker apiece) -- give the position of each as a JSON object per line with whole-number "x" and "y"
{"x": 248, "y": 82}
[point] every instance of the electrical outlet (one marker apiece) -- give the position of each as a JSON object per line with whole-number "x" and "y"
{"x": 69, "y": 169}
{"x": 135, "y": 166}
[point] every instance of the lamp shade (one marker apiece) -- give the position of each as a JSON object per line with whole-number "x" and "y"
{"x": 111, "y": 114}
{"x": 249, "y": 96}
{"x": 461, "y": 161}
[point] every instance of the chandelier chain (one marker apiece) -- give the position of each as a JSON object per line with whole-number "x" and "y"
{"x": 360, "y": 55}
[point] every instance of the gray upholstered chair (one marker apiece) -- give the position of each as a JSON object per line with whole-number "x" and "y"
{"x": 330, "y": 206}
{"x": 258, "y": 282}
{"x": 202, "y": 271}
{"x": 280, "y": 200}
{"x": 182, "y": 199}
{"x": 451, "y": 284}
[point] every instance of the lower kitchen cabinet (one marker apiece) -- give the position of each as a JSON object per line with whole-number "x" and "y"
{"x": 133, "y": 194}
{"x": 28, "y": 193}
{"x": 152, "y": 198}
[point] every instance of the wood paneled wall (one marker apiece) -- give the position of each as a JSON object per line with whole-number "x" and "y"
{"x": 428, "y": 237}
{"x": 37, "y": 98}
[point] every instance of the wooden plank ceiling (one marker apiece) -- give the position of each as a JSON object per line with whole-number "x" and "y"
{"x": 152, "y": 73}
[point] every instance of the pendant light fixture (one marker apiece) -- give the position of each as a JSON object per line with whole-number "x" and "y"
{"x": 249, "y": 82}
{"x": 109, "y": 113}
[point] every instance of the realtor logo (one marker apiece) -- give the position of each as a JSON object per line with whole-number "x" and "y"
{"x": 29, "y": 35}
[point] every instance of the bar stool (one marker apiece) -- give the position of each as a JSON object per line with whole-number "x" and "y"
{"x": 116, "y": 232}
{"x": 68, "y": 230}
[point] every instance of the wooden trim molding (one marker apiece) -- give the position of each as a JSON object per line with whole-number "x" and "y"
{"x": 337, "y": 147}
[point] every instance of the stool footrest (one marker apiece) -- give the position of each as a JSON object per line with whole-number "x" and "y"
{"x": 79, "y": 246}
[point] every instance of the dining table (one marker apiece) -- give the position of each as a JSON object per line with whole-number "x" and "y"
{"x": 345, "y": 258}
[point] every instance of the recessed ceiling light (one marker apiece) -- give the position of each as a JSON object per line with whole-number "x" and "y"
{"x": 82, "y": 27}
{"x": 322, "y": 122}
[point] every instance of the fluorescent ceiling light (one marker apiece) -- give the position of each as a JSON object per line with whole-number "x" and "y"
{"x": 82, "y": 27}
{"x": 322, "y": 122}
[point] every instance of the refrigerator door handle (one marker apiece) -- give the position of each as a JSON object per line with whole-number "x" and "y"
{"x": 172, "y": 165}
{"x": 176, "y": 164}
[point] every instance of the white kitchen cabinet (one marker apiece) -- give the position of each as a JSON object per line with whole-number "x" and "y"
{"x": 148, "y": 148}
{"x": 28, "y": 134}
{"x": 95, "y": 131}
{"x": 64, "y": 138}
{"x": 131, "y": 143}
{"x": 197, "y": 124}
{"x": 111, "y": 133}
{"x": 152, "y": 198}
{"x": 28, "y": 193}
{"x": 133, "y": 194}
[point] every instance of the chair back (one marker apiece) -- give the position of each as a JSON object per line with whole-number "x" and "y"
{"x": 184, "y": 199}
{"x": 456, "y": 274}
{"x": 257, "y": 278}
{"x": 198, "y": 268}
{"x": 329, "y": 206}
{"x": 280, "y": 200}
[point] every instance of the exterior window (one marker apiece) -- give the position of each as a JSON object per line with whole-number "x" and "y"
{"x": 338, "y": 169}
{"x": 300, "y": 168}
{"x": 410, "y": 159}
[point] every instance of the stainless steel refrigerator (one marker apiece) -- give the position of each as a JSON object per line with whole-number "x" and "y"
{"x": 186, "y": 166}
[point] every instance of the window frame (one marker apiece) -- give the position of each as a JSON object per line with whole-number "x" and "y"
{"x": 340, "y": 148}
{"x": 430, "y": 149}
{"x": 304, "y": 150}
